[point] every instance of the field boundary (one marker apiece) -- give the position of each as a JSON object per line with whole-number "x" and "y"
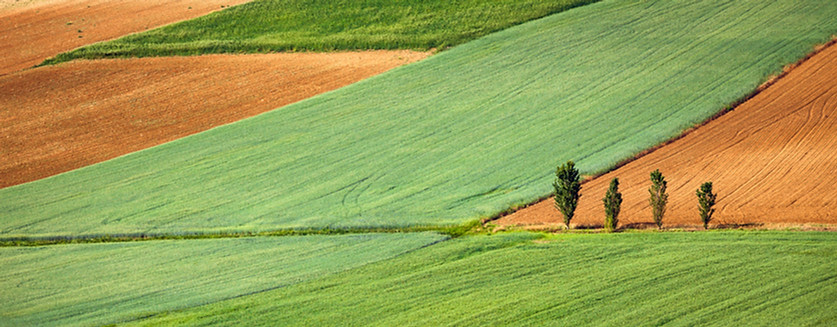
{"x": 771, "y": 80}
{"x": 453, "y": 231}
{"x": 650, "y": 227}
{"x": 86, "y": 33}
{"x": 400, "y": 149}
{"x": 428, "y": 41}
{"x": 54, "y": 136}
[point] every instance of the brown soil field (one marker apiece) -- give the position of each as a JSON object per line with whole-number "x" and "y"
{"x": 772, "y": 161}
{"x": 58, "y": 118}
{"x": 33, "y": 30}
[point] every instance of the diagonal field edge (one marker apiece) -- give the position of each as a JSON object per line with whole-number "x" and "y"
{"x": 39, "y": 240}
{"x": 459, "y": 136}
{"x": 517, "y": 211}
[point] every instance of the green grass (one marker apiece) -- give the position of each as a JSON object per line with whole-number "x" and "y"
{"x": 471, "y": 227}
{"x": 95, "y": 284}
{"x": 631, "y": 279}
{"x": 324, "y": 25}
{"x": 464, "y": 134}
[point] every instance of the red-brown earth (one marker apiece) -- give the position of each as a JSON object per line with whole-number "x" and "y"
{"x": 33, "y": 30}
{"x": 772, "y": 161}
{"x": 57, "y": 118}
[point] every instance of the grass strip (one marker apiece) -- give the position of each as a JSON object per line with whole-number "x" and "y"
{"x": 450, "y": 231}
{"x": 323, "y": 25}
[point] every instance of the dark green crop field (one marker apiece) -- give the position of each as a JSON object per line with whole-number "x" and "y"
{"x": 324, "y": 25}
{"x": 728, "y": 278}
{"x": 435, "y": 145}
{"x": 464, "y": 134}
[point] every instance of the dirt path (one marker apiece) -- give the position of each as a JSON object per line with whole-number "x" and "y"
{"x": 773, "y": 160}
{"x": 33, "y": 30}
{"x": 58, "y": 118}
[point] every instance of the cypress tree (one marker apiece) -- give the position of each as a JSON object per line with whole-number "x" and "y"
{"x": 567, "y": 190}
{"x": 659, "y": 197}
{"x": 706, "y": 201}
{"x": 612, "y": 204}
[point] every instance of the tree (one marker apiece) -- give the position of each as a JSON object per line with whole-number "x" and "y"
{"x": 706, "y": 200}
{"x": 567, "y": 188}
{"x": 659, "y": 197}
{"x": 612, "y": 203}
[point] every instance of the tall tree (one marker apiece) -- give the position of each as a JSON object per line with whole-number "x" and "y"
{"x": 612, "y": 204}
{"x": 706, "y": 201}
{"x": 567, "y": 190}
{"x": 659, "y": 197}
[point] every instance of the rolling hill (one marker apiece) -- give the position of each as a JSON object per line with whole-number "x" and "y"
{"x": 106, "y": 283}
{"x": 462, "y": 135}
{"x": 639, "y": 279}
{"x": 771, "y": 161}
{"x": 32, "y": 31}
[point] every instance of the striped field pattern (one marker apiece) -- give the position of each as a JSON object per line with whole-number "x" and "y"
{"x": 730, "y": 278}
{"x": 97, "y": 284}
{"x": 461, "y": 135}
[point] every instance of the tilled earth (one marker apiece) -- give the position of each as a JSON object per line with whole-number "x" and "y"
{"x": 773, "y": 160}
{"x": 34, "y": 30}
{"x": 57, "y": 118}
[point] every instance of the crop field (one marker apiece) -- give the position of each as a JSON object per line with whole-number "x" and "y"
{"x": 323, "y": 25}
{"x": 771, "y": 160}
{"x": 719, "y": 279}
{"x": 87, "y": 284}
{"x": 461, "y": 135}
{"x": 193, "y": 194}
{"x": 80, "y": 113}
{"x": 31, "y": 31}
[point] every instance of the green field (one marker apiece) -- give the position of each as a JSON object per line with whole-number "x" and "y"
{"x": 95, "y": 284}
{"x": 324, "y": 25}
{"x": 464, "y": 134}
{"x": 728, "y": 278}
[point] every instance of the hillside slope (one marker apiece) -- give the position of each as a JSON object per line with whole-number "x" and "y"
{"x": 35, "y": 30}
{"x": 325, "y": 25}
{"x": 462, "y": 135}
{"x": 99, "y": 284}
{"x": 771, "y": 160}
{"x": 641, "y": 279}
{"x": 77, "y": 114}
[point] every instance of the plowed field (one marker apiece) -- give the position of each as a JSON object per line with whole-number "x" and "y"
{"x": 773, "y": 160}
{"x": 58, "y": 118}
{"x": 31, "y": 31}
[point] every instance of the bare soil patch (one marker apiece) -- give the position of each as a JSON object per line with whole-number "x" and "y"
{"x": 58, "y": 118}
{"x": 773, "y": 162}
{"x": 33, "y": 30}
